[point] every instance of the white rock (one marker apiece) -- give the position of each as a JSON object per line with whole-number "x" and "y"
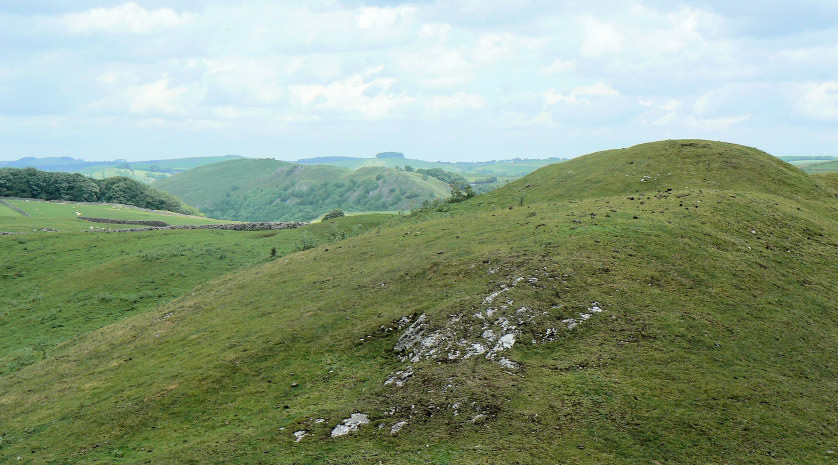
{"x": 509, "y": 364}
{"x": 397, "y": 427}
{"x": 350, "y": 424}
{"x": 506, "y": 342}
{"x": 300, "y": 435}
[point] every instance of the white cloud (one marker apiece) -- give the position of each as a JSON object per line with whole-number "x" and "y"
{"x": 435, "y": 31}
{"x": 820, "y": 101}
{"x": 559, "y": 66}
{"x": 600, "y": 38}
{"x": 126, "y": 18}
{"x": 495, "y": 47}
{"x": 358, "y": 94}
{"x": 456, "y": 102}
{"x": 552, "y": 97}
{"x": 375, "y": 17}
{"x": 669, "y": 114}
{"x": 156, "y": 98}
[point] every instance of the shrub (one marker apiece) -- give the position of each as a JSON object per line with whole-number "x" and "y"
{"x": 336, "y": 213}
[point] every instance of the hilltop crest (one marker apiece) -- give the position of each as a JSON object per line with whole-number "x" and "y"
{"x": 658, "y": 166}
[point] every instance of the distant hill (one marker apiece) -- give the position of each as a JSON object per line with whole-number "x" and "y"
{"x": 47, "y": 185}
{"x": 67, "y": 164}
{"x": 511, "y": 169}
{"x": 658, "y": 166}
{"x": 267, "y": 189}
{"x": 143, "y": 171}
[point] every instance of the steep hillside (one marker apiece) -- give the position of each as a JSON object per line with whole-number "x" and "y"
{"x": 696, "y": 325}
{"x": 266, "y": 189}
{"x": 829, "y": 180}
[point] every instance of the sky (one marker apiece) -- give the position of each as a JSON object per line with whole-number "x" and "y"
{"x": 437, "y": 80}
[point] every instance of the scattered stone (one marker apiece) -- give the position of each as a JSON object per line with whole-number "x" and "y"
{"x": 397, "y": 427}
{"x": 300, "y": 435}
{"x": 350, "y": 424}
{"x": 399, "y": 378}
{"x": 508, "y": 364}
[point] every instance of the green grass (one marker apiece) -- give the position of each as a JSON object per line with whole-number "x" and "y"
{"x": 501, "y": 168}
{"x": 100, "y": 172}
{"x": 821, "y": 167}
{"x": 53, "y": 286}
{"x": 63, "y": 216}
{"x": 717, "y": 343}
{"x": 8, "y": 212}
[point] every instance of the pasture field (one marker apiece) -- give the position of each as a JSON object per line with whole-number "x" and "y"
{"x": 63, "y": 216}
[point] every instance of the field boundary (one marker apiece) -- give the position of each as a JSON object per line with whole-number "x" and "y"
{"x": 261, "y": 226}
{"x": 155, "y": 223}
{"x": 14, "y": 208}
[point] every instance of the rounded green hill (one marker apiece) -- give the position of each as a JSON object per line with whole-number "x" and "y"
{"x": 658, "y": 166}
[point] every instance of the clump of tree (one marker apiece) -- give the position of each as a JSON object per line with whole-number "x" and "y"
{"x": 47, "y": 185}
{"x": 459, "y": 193}
{"x": 444, "y": 176}
{"x": 389, "y": 155}
{"x": 336, "y": 213}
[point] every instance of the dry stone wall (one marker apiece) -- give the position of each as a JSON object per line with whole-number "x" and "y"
{"x": 155, "y": 223}
{"x": 14, "y": 208}
{"x": 262, "y": 226}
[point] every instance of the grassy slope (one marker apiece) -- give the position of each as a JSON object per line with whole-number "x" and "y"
{"x": 6, "y": 211}
{"x": 102, "y": 172}
{"x": 210, "y": 183}
{"x": 717, "y": 344}
{"x": 829, "y": 180}
{"x": 821, "y": 167}
{"x": 502, "y": 168}
{"x": 53, "y": 288}
{"x": 62, "y": 216}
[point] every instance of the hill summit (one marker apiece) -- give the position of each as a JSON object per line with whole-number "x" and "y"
{"x": 670, "y": 164}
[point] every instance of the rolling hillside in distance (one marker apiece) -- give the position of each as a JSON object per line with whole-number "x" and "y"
{"x": 271, "y": 190}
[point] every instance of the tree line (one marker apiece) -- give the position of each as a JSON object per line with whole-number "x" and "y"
{"x": 48, "y": 185}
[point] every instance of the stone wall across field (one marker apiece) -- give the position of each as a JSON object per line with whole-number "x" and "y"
{"x": 261, "y": 226}
{"x": 155, "y": 223}
{"x": 15, "y": 208}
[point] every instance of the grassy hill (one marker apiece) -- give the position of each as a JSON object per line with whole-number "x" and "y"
{"x": 142, "y": 171}
{"x": 63, "y": 216}
{"x": 266, "y": 189}
{"x": 821, "y": 167}
{"x": 627, "y": 323}
{"x": 503, "y": 169}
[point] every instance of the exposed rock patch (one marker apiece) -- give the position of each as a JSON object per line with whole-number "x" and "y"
{"x": 350, "y": 424}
